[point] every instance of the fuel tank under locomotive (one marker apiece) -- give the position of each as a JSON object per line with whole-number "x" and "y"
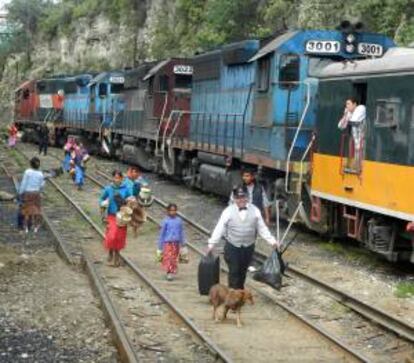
{"x": 214, "y": 175}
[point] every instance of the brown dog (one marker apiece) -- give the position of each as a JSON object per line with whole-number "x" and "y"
{"x": 232, "y": 300}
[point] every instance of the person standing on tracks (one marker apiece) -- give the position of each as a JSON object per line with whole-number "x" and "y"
{"x": 239, "y": 224}
{"x": 43, "y": 135}
{"x": 80, "y": 159}
{"x": 170, "y": 241}
{"x": 29, "y": 194}
{"x": 67, "y": 150}
{"x": 12, "y": 131}
{"x": 256, "y": 194}
{"x": 113, "y": 198}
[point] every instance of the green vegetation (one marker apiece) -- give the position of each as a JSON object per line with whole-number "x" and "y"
{"x": 352, "y": 254}
{"x": 404, "y": 289}
{"x": 183, "y": 27}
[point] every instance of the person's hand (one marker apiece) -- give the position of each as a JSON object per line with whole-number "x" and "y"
{"x": 276, "y": 246}
{"x": 159, "y": 255}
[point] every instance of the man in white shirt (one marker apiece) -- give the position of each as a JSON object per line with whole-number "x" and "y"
{"x": 354, "y": 116}
{"x": 239, "y": 224}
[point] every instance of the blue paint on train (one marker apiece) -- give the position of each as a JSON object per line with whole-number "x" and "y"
{"x": 76, "y": 106}
{"x": 106, "y": 101}
{"x": 253, "y": 106}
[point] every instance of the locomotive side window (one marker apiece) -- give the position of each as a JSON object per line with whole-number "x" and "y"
{"x": 26, "y": 94}
{"x": 92, "y": 92}
{"x": 163, "y": 83}
{"x": 388, "y": 112}
{"x": 289, "y": 71}
{"x": 70, "y": 88}
{"x": 102, "y": 90}
{"x": 183, "y": 81}
{"x": 117, "y": 88}
{"x": 412, "y": 116}
{"x": 264, "y": 74}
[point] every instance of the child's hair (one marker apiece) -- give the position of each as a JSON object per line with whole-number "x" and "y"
{"x": 172, "y": 206}
{"x": 35, "y": 163}
{"x": 117, "y": 172}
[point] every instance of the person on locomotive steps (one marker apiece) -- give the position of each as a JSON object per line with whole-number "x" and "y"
{"x": 354, "y": 116}
{"x": 240, "y": 223}
{"x": 256, "y": 194}
{"x": 113, "y": 198}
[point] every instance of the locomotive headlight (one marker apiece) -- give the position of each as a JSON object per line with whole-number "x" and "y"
{"x": 350, "y": 48}
{"x": 350, "y": 38}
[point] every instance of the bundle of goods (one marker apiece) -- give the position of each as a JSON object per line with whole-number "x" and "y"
{"x": 123, "y": 217}
{"x": 145, "y": 197}
{"x": 138, "y": 216}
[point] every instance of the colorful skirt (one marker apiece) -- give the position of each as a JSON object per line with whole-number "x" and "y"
{"x": 115, "y": 236}
{"x": 12, "y": 140}
{"x": 31, "y": 205}
{"x": 170, "y": 253}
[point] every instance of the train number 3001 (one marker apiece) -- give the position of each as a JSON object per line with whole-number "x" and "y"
{"x": 370, "y": 49}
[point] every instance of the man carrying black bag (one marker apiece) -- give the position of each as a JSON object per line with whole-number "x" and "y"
{"x": 239, "y": 224}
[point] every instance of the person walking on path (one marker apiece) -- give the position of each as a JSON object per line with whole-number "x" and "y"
{"x": 256, "y": 194}
{"x": 170, "y": 241}
{"x": 43, "y": 139}
{"x": 80, "y": 159}
{"x": 114, "y": 197}
{"x": 239, "y": 224}
{"x": 29, "y": 194}
{"x": 12, "y": 131}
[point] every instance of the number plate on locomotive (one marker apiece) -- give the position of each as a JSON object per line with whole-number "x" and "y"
{"x": 182, "y": 69}
{"x": 323, "y": 46}
{"x": 370, "y": 49}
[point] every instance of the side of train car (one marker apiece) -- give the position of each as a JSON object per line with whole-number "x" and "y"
{"x": 253, "y": 104}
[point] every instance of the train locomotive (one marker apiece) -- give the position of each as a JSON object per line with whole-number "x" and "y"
{"x": 274, "y": 106}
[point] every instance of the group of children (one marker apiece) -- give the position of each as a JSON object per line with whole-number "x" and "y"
{"x": 115, "y": 197}
{"x": 75, "y": 160}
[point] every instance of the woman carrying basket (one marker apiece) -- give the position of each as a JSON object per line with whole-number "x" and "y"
{"x": 114, "y": 198}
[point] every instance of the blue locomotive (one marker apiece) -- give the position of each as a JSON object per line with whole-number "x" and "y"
{"x": 263, "y": 104}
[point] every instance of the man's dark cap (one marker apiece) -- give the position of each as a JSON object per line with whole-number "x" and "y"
{"x": 240, "y": 192}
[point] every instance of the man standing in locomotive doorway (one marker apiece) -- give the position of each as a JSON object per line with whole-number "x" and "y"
{"x": 354, "y": 116}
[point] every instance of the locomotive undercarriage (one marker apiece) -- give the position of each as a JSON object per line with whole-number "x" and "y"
{"x": 383, "y": 235}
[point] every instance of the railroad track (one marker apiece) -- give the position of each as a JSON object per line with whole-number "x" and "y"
{"x": 363, "y": 332}
{"x": 145, "y": 324}
{"x": 380, "y": 317}
{"x": 329, "y": 348}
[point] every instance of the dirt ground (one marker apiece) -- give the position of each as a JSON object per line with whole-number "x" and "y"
{"x": 47, "y": 312}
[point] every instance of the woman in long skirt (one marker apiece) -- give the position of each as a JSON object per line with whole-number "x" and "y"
{"x": 67, "y": 149}
{"x": 114, "y": 196}
{"x": 12, "y": 135}
{"x": 32, "y": 183}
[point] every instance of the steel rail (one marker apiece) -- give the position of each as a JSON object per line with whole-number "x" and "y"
{"x": 380, "y": 317}
{"x": 252, "y": 284}
{"x": 217, "y": 351}
{"x": 122, "y": 342}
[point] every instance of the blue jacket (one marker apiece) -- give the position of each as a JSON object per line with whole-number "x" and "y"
{"x": 110, "y": 191}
